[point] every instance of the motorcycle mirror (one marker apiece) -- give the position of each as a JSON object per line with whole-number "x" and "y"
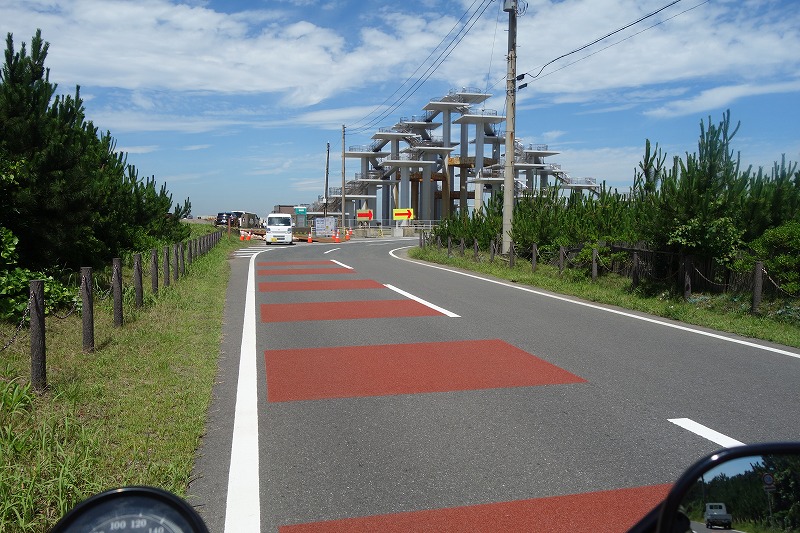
{"x": 132, "y": 509}
{"x": 758, "y": 484}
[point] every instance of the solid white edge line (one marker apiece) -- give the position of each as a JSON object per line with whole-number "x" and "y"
{"x": 600, "y": 308}
{"x": 243, "y": 507}
{"x": 423, "y": 302}
{"x": 341, "y": 264}
{"x": 706, "y": 432}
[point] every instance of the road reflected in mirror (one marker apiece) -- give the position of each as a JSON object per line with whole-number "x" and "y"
{"x": 753, "y": 494}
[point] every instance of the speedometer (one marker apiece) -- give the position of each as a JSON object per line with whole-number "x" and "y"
{"x": 138, "y": 509}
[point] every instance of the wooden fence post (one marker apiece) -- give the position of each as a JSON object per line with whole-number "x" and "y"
{"x": 154, "y": 270}
{"x": 758, "y": 286}
{"x": 449, "y": 246}
{"x": 165, "y": 265}
{"x": 116, "y": 286}
{"x": 687, "y": 277}
{"x": 635, "y": 272}
{"x": 461, "y": 247}
{"x": 475, "y": 246}
{"x": 137, "y": 280}
{"x": 175, "y": 266}
{"x": 534, "y": 258}
{"x": 511, "y": 255}
{"x": 491, "y": 251}
{"x": 38, "y": 352}
{"x": 87, "y": 305}
{"x": 183, "y": 258}
{"x": 561, "y": 253}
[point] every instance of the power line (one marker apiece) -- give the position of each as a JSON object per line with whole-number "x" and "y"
{"x": 606, "y": 36}
{"x": 456, "y": 25}
{"x": 539, "y": 76}
{"x": 645, "y": 17}
{"x": 443, "y": 55}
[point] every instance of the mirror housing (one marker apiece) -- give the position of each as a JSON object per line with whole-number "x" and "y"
{"x": 669, "y": 512}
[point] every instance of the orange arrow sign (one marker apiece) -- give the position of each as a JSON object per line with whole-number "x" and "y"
{"x": 364, "y": 213}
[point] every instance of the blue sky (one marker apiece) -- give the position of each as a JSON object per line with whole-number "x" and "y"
{"x": 231, "y": 103}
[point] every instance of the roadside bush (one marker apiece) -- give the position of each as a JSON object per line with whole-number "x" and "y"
{"x": 483, "y": 226}
{"x": 779, "y": 248}
{"x": 15, "y": 283}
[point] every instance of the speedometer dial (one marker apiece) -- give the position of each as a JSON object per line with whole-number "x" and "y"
{"x": 138, "y": 509}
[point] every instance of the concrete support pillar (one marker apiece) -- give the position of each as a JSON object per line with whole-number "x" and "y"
{"x": 479, "y": 146}
{"x": 463, "y": 171}
{"x": 415, "y": 197}
{"x": 447, "y": 186}
{"x": 427, "y": 194}
{"x": 405, "y": 187}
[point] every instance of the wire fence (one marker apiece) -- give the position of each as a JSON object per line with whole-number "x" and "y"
{"x": 639, "y": 264}
{"x": 174, "y": 260}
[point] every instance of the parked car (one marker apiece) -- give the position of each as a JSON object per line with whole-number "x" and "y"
{"x": 222, "y": 219}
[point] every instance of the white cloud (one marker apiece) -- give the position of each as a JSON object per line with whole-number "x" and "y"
{"x": 720, "y": 97}
{"x": 138, "y": 149}
{"x": 550, "y": 136}
{"x": 196, "y": 147}
{"x": 615, "y": 166}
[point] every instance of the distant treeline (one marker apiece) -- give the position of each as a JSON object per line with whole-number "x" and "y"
{"x": 704, "y": 206}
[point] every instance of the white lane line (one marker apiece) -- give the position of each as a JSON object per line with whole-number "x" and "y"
{"x": 423, "y": 302}
{"x": 243, "y": 507}
{"x": 600, "y": 308}
{"x": 705, "y": 432}
{"x": 331, "y": 250}
{"x": 341, "y": 264}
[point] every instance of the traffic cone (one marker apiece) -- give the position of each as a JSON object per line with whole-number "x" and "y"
{"x": 241, "y": 236}
{"x": 336, "y": 237}
{"x": 309, "y": 238}
{"x": 347, "y": 235}
{"x": 249, "y": 236}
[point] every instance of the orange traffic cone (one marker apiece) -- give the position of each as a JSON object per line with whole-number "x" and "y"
{"x": 309, "y": 237}
{"x": 249, "y": 236}
{"x": 347, "y": 235}
{"x": 241, "y": 236}
{"x": 336, "y": 237}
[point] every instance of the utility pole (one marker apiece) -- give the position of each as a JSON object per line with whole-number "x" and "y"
{"x": 343, "y": 198}
{"x": 510, "y": 6}
{"x": 327, "y": 168}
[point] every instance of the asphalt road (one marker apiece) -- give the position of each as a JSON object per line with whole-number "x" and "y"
{"x": 377, "y": 393}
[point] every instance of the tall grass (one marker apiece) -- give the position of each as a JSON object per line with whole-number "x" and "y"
{"x": 131, "y": 412}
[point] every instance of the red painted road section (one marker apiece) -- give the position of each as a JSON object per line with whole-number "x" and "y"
{"x": 384, "y": 370}
{"x": 297, "y": 312}
{"x": 293, "y": 263}
{"x": 389, "y": 369}
{"x": 333, "y": 285}
{"x": 304, "y": 271}
{"x": 613, "y": 511}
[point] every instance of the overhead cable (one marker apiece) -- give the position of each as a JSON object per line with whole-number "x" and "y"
{"x": 443, "y": 55}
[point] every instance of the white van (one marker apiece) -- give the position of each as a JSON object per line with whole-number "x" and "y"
{"x": 279, "y": 229}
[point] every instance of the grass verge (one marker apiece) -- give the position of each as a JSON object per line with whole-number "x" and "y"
{"x": 132, "y": 412}
{"x": 778, "y": 320}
